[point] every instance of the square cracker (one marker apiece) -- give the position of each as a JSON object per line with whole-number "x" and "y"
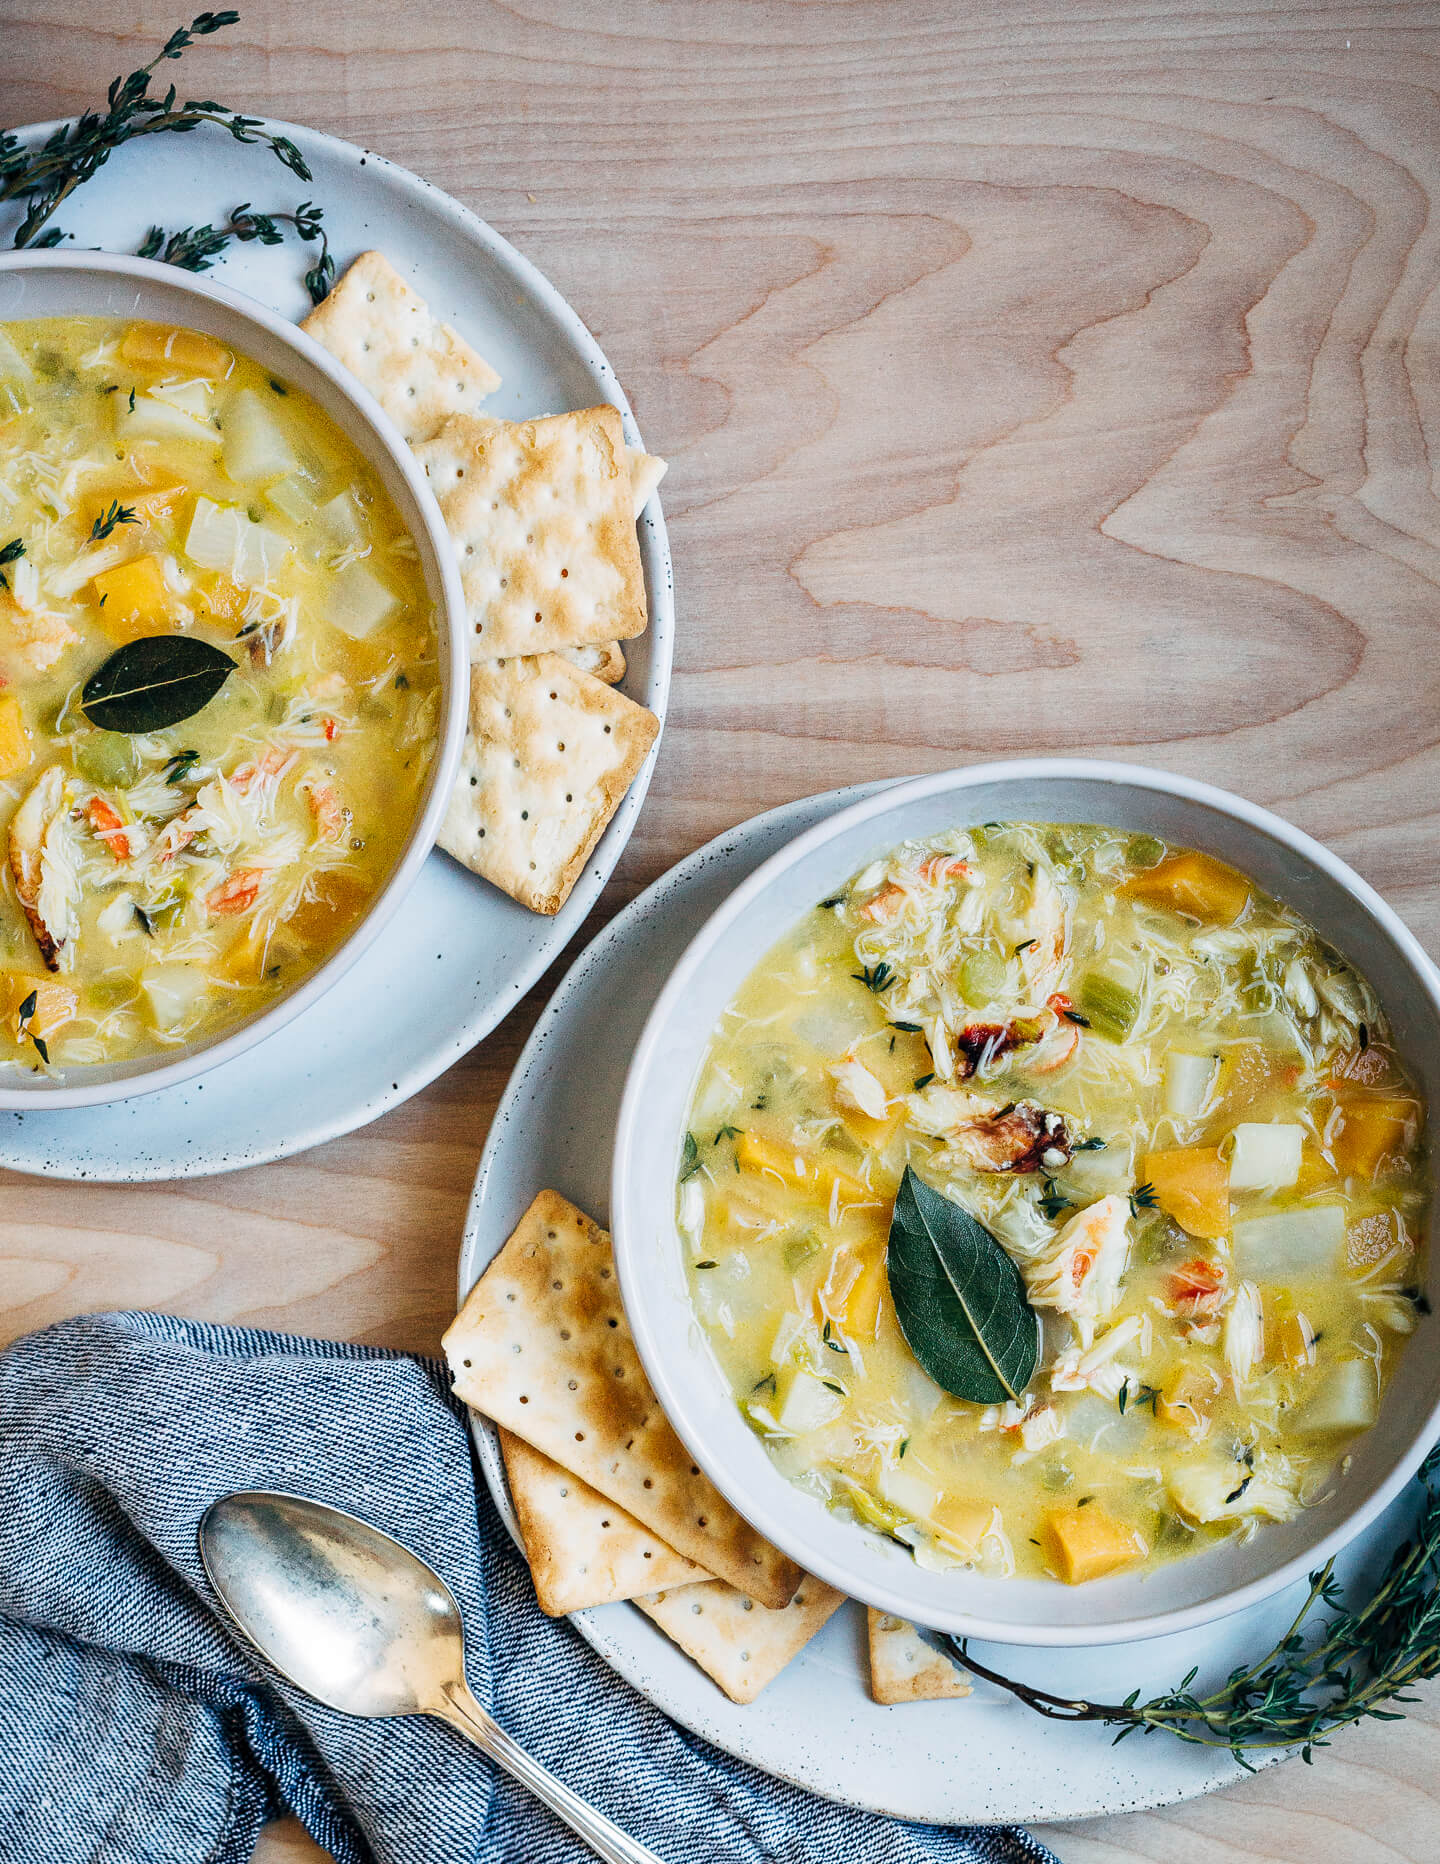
{"x": 604, "y": 662}
{"x": 542, "y": 516}
{"x": 741, "y": 1645}
{"x": 903, "y": 1667}
{"x": 646, "y": 472}
{"x": 418, "y": 369}
{"x": 582, "y": 1549}
{"x": 549, "y": 754}
{"x": 542, "y": 1346}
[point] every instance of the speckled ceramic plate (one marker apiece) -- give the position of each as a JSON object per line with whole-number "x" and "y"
{"x": 458, "y": 954}
{"x": 982, "y": 1759}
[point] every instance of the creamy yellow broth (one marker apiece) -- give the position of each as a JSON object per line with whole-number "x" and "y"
{"x": 163, "y": 884}
{"x": 1176, "y": 1109}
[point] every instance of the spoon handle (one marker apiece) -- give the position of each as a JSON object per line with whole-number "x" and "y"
{"x": 465, "y": 1714}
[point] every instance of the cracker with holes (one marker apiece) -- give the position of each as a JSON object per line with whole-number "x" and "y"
{"x": 418, "y": 369}
{"x": 542, "y": 1346}
{"x": 605, "y": 662}
{"x": 583, "y": 1550}
{"x": 742, "y": 1646}
{"x": 904, "y": 1668}
{"x": 542, "y": 515}
{"x": 550, "y": 752}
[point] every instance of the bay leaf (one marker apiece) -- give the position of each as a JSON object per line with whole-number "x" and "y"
{"x": 959, "y": 1299}
{"x": 154, "y": 682}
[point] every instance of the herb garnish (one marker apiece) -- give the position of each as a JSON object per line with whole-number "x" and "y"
{"x": 830, "y": 1385}
{"x": 836, "y": 1346}
{"x": 44, "y": 178}
{"x": 22, "y": 1019}
{"x": 1027, "y": 946}
{"x": 689, "y": 1158}
{"x": 959, "y": 1298}
{"x": 11, "y": 553}
{"x": 1088, "y": 1145}
{"x": 1074, "y": 1016}
{"x": 154, "y": 682}
{"x": 726, "y": 1132}
{"x": 178, "y": 768}
{"x": 704, "y": 1265}
{"x": 1300, "y": 1692}
{"x": 909, "y": 1029}
{"x": 1052, "y": 1202}
{"x": 921, "y": 1082}
{"x": 1144, "y": 1395}
{"x": 837, "y": 899}
{"x": 1143, "y": 1197}
{"x": 106, "y": 522}
{"x": 875, "y": 977}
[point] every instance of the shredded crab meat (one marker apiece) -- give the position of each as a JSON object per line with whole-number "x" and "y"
{"x": 1083, "y": 1273}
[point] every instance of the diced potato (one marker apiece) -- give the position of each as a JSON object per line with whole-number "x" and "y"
{"x": 194, "y": 398}
{"x": 1187, "y": 1400}
{"x": 908, "y": 1494}
{"x": 187, "y": 352}
{"x": 801, "y": 1169}
{"x": 1370, "y": 1131}
{"x": 257, "y": 447}
{"x": 1086, "y": 1543}
{"x": 1227, "y": 1491}
{"x": 359, "y": 602}
{"x": 175, "y": 993}
{"x": 1347, "y": 1401}
{"x": 151, "y": 419}
{"x": 807, "y": 1402}
{"x": 1293, "y": 1245}
{"x": 962, "y": 1521}
{"x": 291, "y": 500}
{"x": 223, "y": 537}
{"x": 15, "y": 750}
{"x": 55, "y": 1004}
{"x": 133, "y": 599}
{"x": 1188, "y": 1080}
{"x": 342, "y": 521}
{"x": 1265, "y": 1157}
{"x": 1195, "y": 884}
{"x": 1192, "y": 1185}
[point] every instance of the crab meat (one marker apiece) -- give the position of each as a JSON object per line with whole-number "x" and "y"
{"x": 980, "y": 1045}
{"x": 1041, "y": 1426}
{"x": 1197, "y": 1288}
{"x": 1244, "y": 1332}
{"x": 1082, "y": 1273}
{"x": 1045, "y": 921}
{"x": 177, "y": 833}
{"x": 108, "y": 827}
{"x": 45, "y": 860}
{"x": 1095, "y": 1368}
{"x": 885, "y": 905}
{"x": 38, "y": 640}
{"x": 856, "y": 1087}
{"x": 271, "y": 761}
{"x": 331, "y": 818}
{"x": 988, "y": 1137}
{"x": 938, "y": 867}
{"x": 236, "y": 893}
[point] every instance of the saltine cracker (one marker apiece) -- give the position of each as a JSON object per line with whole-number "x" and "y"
{"x": 742, "y": 1646}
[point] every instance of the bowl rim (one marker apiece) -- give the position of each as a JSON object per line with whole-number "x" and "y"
{"x": 448, "y": 603}
{"x": 635, "y": 1133}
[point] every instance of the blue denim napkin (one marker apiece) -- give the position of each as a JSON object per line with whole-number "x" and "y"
{"x": 134, "y": 1726}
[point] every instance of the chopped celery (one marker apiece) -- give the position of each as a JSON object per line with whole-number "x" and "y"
{"x": 107, "y": 759}
{"x": 1110, "y": 1007}
{"x": 808, "y": 1402}
{"x": 291, "y": 500}
{"x": 799, "y": 1248}
{"x": 982, "y": 976}
{"x": 150, "y": 419}
{"x": 1144, "y": 851}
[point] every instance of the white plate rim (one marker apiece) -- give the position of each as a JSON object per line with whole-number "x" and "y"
{"x": 404, "y": 1083}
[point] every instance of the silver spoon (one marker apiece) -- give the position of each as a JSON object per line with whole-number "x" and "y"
{"x": 361, "y": 1624}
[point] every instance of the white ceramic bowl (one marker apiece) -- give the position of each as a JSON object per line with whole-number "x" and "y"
{"x": 89, "y": 284}
{"x": 649, "y": 1254}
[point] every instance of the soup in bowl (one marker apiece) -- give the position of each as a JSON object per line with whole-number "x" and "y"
{"x": 229, "y": 705}
{"x": 1050, "y": 1201}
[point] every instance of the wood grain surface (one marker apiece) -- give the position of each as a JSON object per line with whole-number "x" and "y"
{"x": 1035, "y": 377}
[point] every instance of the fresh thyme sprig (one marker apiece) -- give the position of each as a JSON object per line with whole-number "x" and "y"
{"x": 1299, "y": 1693}
{"x": 195, "y": 249}
{"x": 45, "y": 178}
{"x": 106, "y": 522}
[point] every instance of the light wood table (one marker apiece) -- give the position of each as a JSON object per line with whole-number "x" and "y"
{"x": 1034, "y": 380}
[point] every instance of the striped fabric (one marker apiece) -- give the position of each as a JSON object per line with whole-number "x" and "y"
{"x": 134, "y": 1729}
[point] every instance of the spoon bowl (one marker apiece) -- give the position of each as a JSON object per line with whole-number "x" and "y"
{"x": 356, "y": 1620}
